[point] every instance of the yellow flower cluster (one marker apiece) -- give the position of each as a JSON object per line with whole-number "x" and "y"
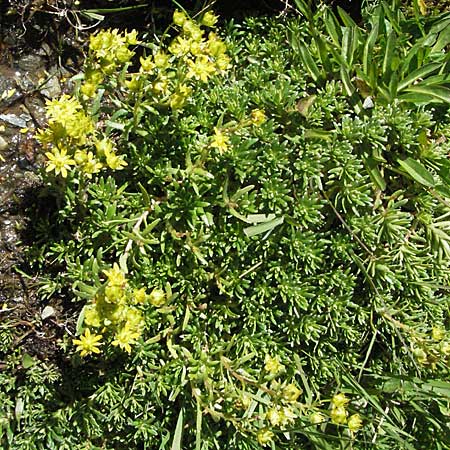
{"x": 339, "y": 413}
{"x": 108, "y": 52}
{"x": 169, "y": 74}
{"x": 115, "y": 312}
{"x": 432, "y": 347}
{"x": 221, "y": 138}
{"x": 284, "y": 408}
{"x": 71, "y": 140}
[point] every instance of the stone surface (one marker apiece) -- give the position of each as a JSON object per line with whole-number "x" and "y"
{"x": 3, "y": 144}
{"x": 31, "y": 63}
{"x": 51, "y": 88}
{"x": 36, "y": 108}
{"x": 16, "y": 120}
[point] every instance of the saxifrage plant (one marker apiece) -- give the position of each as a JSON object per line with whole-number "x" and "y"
{"x": 247, "y": 276}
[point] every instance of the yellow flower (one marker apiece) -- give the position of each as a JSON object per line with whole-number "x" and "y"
{"x": 92, "y": 79}
{"x": 88, "y": 343}
{"x": 220, "y": 141}
{"x": 273, "y": 365}
{"x": 115, "y": 276}
{"x": 437, "y": 333}
{"x": 104, "y": 147}
{"x": 134, "y": 83}
{"x": 59, "y": 109}
{"x": 264, "y": 436}
{"x": 161, "y": 60}
{"x": 223, "y": 62}
{"x": 179, "y": 17}
{"x": 421, "y": 355}
{"x": 91, "y": 316}
{"x": 125, "y": 338}
{"x": 114, "y": 294}
{"x": 131, "y": 38}
{"x": 161, "y": 85}
{"x": 179, "y": 46}
{"x": 139, "y": 296}
{"x": 258, "y": 117}
{"x": 67, "y": 119}
{"x": 216, "y": 46}
{"x": 209, "y": 19}
{"x": 59, "y": 161}
{"x": 291, "y": 392}
{"x": 338, "y": 414}
{"x": 339, "y": 400}
{"x": 116, "y": 313}
{"x": 201, "y": 69}
{"x": 111, "y": 47}
{"x": 157, "y": 297}
{"x": 134, "y": 319}
{"x": 287, "y": 415}
{"x": 193, "y": 30}
{"x": 177, "y": 101}
{"x": 354, "y": 423}
{"x": 316, "y": 417}
{"x": 197, "y": 48}
{"x": 115, "y": 162}
{"x": 274, "y": 417}
{"x": 90, "y": 165}
{"x": 123, "y": 55}
{"x": 147, "y": 64}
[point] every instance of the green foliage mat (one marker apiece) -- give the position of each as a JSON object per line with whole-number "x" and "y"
{"x": 257, "y": 239}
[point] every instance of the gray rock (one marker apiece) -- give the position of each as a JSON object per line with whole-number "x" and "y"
{"x": 3, "y": 144}
{"x": 51, "y": 88}
{"x": 37, "y": 110}
{"x": 17, "y": 121}
{"x": 13, "y": 120}
{"x": 31, "y": 63}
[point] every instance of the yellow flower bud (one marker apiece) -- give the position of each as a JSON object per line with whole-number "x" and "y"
{"x": 131, "y": 37}
{"x": 273, "y": 365}
{"x": 258, "y": 117}
{"x": 339, "y": 414}
{"x": 139, "y": 295}
{"x": 264, "y": 436}
{"x": 179, "y": 17}
{"x": 274, "y": 417}
{"x": 157, "y": 297}
{"x": 420, "y": 355}
{"x": 161, "y": 60}
{"x": 437, "y": 333}
{"x": 354, "y": 423}
{"x": 147, "y": 64}
{"x": 339, "y": 400}
{"x": 209, "y": 19}
{"x": 291, "y": 392}
{"x": 316, "y": 418}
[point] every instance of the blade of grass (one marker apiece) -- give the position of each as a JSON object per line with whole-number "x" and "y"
{"x": 308, "y": 61}
{"x": 419, "y": 73}
{"x": 437, "y": 92}
{"x": 176, "y": 443}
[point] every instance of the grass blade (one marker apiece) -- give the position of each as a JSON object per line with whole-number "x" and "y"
{"x": 389, "y": 55}
{"x": 419, "y": 73}
{"x": 308, "y": 61}
{"x": 176, "y": 443}
{"x": 332, "y": 27}
{"x": 435, "y": 92}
